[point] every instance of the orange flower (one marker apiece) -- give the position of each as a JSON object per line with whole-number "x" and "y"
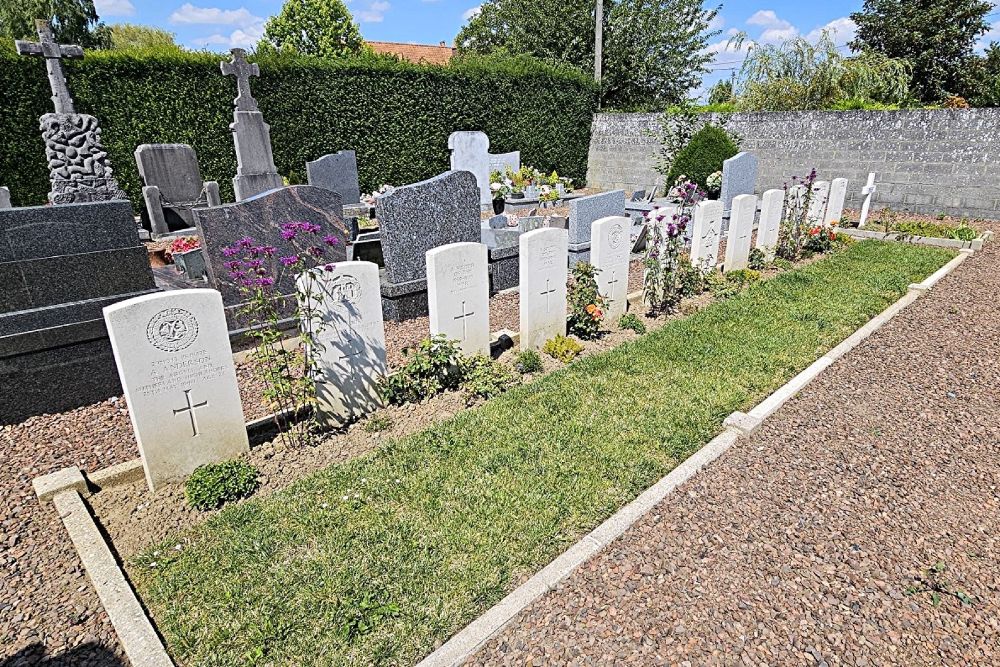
{"x": 591, "y": 308}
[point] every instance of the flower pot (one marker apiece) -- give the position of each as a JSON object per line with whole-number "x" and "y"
{"x": 498, "y": 206}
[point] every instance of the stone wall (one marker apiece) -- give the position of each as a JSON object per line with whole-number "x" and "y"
{"x": 927, "y": 161}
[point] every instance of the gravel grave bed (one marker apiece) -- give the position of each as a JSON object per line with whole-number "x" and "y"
{"x": 803, "y": 544}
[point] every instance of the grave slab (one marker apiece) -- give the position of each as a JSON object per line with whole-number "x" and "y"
{"x": 772, "y": 206}
{"x": 172, "y": 187}
{"x": 835, "y": 207}
{"x": 543, "y": 275}
{"x": 458, "y": 295}
{"x": 739, "y": 177}
{"x": 706, "y": 231}
{"x": 818, "y": 202}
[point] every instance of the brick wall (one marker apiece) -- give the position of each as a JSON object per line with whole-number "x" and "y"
{"x": 927, "y": 161}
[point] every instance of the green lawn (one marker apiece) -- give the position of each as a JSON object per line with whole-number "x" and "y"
{"x": 447, "y": 521}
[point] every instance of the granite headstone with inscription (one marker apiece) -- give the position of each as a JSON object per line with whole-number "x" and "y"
{"x": 172, "y": 187}
{"x": 338, "y": 172}
{"x": 739, "y": 177}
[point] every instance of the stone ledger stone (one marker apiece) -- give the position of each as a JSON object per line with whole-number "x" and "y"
{"x": 739, "y": 177}
{"x": 543, "y": 274}
{"x": 176, "y": 366}
{"x": 740, "y": 231}
{"x": 835, "y": 207}
{"x": 338, "y": 172}
{"x": 172, "y": 187}
{"x": 706, "y": 234}
{"x": 470, "y": 151}
{"x": 609, "y": 251}
{"x": 772, "y": 206}
{"x": 346, "y": 318}
{"x": 458, "y": 295}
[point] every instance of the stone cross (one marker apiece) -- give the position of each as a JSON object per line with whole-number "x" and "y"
{"x": 465, "y": 322}
{"x": 190, "y": 410}
{"x": 868, "y": 191}
{"x": 53, "y": 53}
{"x": 242, "y": 70}
{"x": 546, "y": 292}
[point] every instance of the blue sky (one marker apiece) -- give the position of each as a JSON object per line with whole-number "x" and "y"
{"x": 221, "y": 24}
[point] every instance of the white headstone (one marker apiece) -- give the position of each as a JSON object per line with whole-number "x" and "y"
{"x": 868, "y": 191}
{"x": 740, "y": 230}
{"x": 346, "y": 321}
{"x": 501, "y": 161}
{"x": 706, "y": 233}
{"x": 772, "y": 206}
{"x": 470, "y": 151}
{"x": 835, "y": 207}
{"x": 817, "y": 205}
{"x": 610, "y": 242}
{"x": 176, "y": 365}
{"x": 458, "y": 295}
{"x": 543, "y": 273}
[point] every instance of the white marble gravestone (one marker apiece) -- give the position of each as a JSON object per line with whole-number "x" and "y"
{"x": 470, "y": 151}
{"x": 868, "y": 191}
{"x": 835, "y": 205}
{"x": 610, "y": 242}
{"x": 176, "y": 365}
{"x": 740, "y": 232}
{"x": 346, "y": 321}
{"x": 705, "y": 235}
{"x": 772, "y": 206}
{"x": 458, "y": 295}
{"x": 817, "y": 204}
{"x": 543, "y": 273}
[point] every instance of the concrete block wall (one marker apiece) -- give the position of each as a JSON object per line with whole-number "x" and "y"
{"x": 927, "y": 161}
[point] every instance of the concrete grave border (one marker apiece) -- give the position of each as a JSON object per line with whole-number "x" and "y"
{"x": 66, "y": 488}
{"x": 956, "y": 244}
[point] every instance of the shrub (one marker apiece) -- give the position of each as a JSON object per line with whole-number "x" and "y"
{"x": 430, "y": 368}
{"x": 820, "y": 239}
{"x": 633, "y": 322}
{"x": 586, "y": 305}
{"x": 484, "y": 378}
{"x": 704, "y": 154}
{"x": 726, "y": 285}
{"x": 562, "y": 348}
{"x": 214, "y": 484}
{"x": 528, "y": 361}
{"x": 757, "y": 260}
{"x": 690, "y": 279}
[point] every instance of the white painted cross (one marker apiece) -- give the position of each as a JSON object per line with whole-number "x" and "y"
{"x": 464, "y": 318}
{"x": 868, "y": 191}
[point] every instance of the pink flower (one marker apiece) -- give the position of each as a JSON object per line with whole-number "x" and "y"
{"x": 289, "y": 261}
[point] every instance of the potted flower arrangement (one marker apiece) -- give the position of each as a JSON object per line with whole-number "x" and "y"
{"x": 185, "y": 252}
{"x": 501, "y": 187}
{"x": 713, "y": 184}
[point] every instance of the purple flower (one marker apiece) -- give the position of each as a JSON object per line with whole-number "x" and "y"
{"x": 245, "y": 242}
{"x": 315, "y": 251}
{"x": 246, "y": 282}
{"x": 268, "y": 250}
{"x": 265, "y": 282}
{"x": 289, "y": 261}
{"x": 255, "y": 263}
{"x": 288, "y": 234}
{"x": 328, "y": 267}
{"x": 329, "y": 239}
{"x": 229, "y": 252}
{"x": 232, "y": 265}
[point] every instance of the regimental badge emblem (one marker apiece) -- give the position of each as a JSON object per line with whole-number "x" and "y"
{"x": 345, "y": 288}
{"x": 616, "y": 237}
{"x": 172, "y": 329}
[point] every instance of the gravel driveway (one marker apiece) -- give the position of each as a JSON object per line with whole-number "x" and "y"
{"x": 803, "y": 545}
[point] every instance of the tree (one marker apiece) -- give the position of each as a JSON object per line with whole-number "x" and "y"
{"x": 654, "y": 50}
{"x": 721, "y": 92}
{"x": 984, "y": 79}
{"x": 72, "y": 21}
{"x": 937, "y": 37}
{"x": 130, "y": 36}
{"x": 314, "y": 28}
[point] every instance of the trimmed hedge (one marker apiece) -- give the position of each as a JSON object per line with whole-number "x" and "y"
{"x": 396, "y": 115}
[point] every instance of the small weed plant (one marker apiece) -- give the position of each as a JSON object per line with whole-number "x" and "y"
{"x": 795, "y": 225}
{"x": 633, "y": 322}
{"x": 528, "y": 361}
{"x": 377, "y": 423}
{"x": 484, "y": 378}
{"x": 429, "y": 369}
{"x": 932, "y": 581}
{"x": 727, "y": 285}
{"x": 757, "y": 260}
{"x": 360, "y": 615}
{"x": 214, "y": 484}
{"x": 586, "y": 305}
{"x": 563, "y": 348}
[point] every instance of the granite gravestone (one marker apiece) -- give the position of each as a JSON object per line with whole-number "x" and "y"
{"x": 706, "y": 231}
{"x": 583, "y": 211}
{"x": 172, "y": 187}
{"x": 344, "y": 312}
{"x": 79, "y": 168}
{"x": 610, "y": 244}
{"x": 255, "y": 170}
{"x": 817, "y": 204}
{"x": 259, "y": 219}
{"x": 868, "y": 192}
{"x": 175, "y": 363}
{"x": 835, "y": 207}
{"x": 458, "y": 295}
{"x": 338, "y": 172}
{"x": 470, "y": 151}
{"x": 543, "y": 286}
{"x": 739, "y": 177}
{"x": 740, "y": 232}
{"x": 59, "y": 266}
{"x": 772, "y": 205}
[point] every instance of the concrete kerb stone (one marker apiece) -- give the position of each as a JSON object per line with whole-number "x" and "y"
{"x": 124, "y": 473}
{"x": 67, "y": 479}
{"x": 742, "y": 422}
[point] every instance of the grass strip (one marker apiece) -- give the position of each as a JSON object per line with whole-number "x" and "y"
{"x": 377, "y": 560}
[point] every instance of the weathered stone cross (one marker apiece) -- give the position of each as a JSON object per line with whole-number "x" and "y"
{"x": 548, "y": 290}
{"x": 242, "y": 70}
{"x": 464, "y": 317}
{"x": 53, "y": 53}
{"x": 190, "y": 410}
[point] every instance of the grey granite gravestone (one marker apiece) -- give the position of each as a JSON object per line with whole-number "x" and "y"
{"x": 739, "y": 177}
{"x": 260, "y": 218}
{"x": 172, "y": 187}
{"x": 59, "y": 266}
{"x": 79, "y": 168}
{"x": 583, "y": 212}
{"x": 414, "y": 219}
{"x": 338, "y": 172}
{"x": 255, "y": 170}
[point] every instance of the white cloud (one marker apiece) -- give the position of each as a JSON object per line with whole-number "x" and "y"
{"x": 775, "y": 29}
{"x": 717, "y": 23}
{"x": 240, "y": 38}
{"x": 114, "y": 8}
{"x": 188, "y": 14}
{"x": 471, "y": 12}
{"x": 374, "y": 13}
{"x": 841, "y": 31}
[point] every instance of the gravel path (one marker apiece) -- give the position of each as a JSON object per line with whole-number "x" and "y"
{"x": 800, "y": 546}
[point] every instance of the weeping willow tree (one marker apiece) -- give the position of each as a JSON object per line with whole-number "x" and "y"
{"x": 799, "y": 74}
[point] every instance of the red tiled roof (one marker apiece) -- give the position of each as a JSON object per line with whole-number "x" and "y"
{"x": 416, "y": 53}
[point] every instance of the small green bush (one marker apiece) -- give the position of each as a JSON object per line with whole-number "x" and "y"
{"x": 690, "y": 279}
{"x": 757, "y": 261}
{"x": 430, "y": 368}
{"x": 586, "y": 305}
{"x": 726, "y": 285}
{"x": 528, "y": 361}
{"x": 214, "y": 484}
{"x": 633, "y": 322}
{"x": 562, "y": 348}
{"x": 704, "y": 154}
{"x": 484, "y": 378}
{"x": 962, "y": 232}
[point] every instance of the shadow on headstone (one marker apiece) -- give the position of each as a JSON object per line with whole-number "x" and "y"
{"x": 91, "y": 654}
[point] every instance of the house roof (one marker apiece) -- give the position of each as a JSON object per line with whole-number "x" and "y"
{"x": 438, "y": 54}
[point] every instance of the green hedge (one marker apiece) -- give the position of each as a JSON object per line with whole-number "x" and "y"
{"x": 396, "y": 115}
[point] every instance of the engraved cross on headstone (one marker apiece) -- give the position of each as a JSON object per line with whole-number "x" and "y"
{"x": 46, "y": 47}
{"x": 190, "y": 410}
{"x": 547, "y": 291}
{"x": 351, "y": 344}
{"x": 465, "y": 320}
{"x": 242, "y": 70}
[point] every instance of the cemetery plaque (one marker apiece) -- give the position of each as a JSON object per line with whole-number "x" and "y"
{"x": 543, "y": 273}
{"x": 740, "y": 230}
{"x": 176, "y": 366}
{"x": 470, "y": 151}
{"x": 458, "y": 295}
{"x": 772, "y": 205}
{"x": 338, "y": 172}
{"x": 739, "y": 177}
{"x": 706, "y": 233}
{"x": 835, "y": 208}
{"x": 609, "y": 252}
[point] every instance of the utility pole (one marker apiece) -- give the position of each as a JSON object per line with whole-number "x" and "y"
{"x": 598, "y": 39}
